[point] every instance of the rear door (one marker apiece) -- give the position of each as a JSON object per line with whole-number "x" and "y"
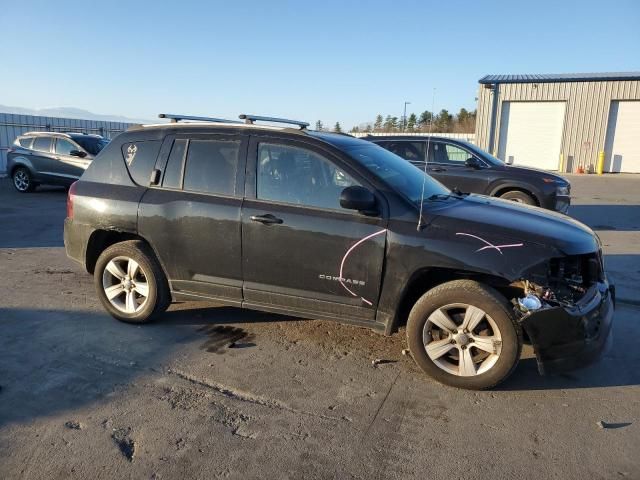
{"x": 301, "y": 249}
{"x": 192, "y": 218}
{"x": 42, "y": 158}
{"x": 69, "y": 167}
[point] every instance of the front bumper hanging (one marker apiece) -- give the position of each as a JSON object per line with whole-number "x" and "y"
{"x": 566, "y": 338}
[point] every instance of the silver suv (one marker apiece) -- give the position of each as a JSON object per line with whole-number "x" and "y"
{"x": 51, "y": 158}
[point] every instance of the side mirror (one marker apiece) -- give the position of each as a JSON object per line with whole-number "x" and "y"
{"x": 473, "y": 162}
{"x": 358, "y": 198}
{"x": 78, "y": 153}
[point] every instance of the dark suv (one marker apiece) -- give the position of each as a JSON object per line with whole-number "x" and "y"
{"x": 324, "y": 225}
{"x": 51, "y": 158}
{"x": 462, "y": 166}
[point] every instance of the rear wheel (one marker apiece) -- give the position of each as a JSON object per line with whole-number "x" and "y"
{"x": 130, "y": 282}
{"x": 22, "y": 180}
{"x": 463, "y": 334}
{"x": 519, "y": 196}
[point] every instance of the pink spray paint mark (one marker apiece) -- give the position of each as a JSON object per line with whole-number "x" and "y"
{"x": 491, "y": 245}
{"x": 351, "y": 249}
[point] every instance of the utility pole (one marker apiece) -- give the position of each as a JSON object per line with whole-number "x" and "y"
{"x": 404, "y": 116}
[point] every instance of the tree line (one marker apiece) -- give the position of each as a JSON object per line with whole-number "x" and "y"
{"x": 443, "y": 122}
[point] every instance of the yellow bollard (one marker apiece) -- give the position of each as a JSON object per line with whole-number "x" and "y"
{"x": 561, "y": 164}
{"x": 600, "y": 162}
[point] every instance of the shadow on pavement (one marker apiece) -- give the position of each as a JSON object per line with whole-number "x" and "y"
{"x": 608, "y": 217}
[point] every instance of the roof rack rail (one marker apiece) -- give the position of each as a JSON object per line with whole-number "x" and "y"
{"x": 177, "y": 118}
{"x": 250, "y": 119}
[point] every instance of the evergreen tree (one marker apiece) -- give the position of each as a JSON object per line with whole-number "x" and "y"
{"x": 388, "y": 124}
{"x": 443, "y": 121}
{"x": 355, "y": 129}
{"x": 337, "y": 128}
{"x": 319, "y": 125}
{"x": 394, "y": 124}
{"x": 411, "y": 122}
{"x": 425, "y": 119}
{"x": 377, "y": 126}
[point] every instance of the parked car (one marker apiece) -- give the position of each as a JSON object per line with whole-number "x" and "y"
{"x": 463, "y": 166}
{"x": 51, "y": 158}
{"x": 324, "y": 225}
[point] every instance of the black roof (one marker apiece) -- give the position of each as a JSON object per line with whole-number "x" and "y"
{"x": 560, "y": 77}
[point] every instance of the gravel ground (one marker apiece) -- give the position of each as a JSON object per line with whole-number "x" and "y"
{"x": 217, "y": 392}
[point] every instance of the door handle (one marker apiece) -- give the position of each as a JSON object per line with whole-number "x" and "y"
{"x": 267, "y": 219}
{"x": 437, "y": 169}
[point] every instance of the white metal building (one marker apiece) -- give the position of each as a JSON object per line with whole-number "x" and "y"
{"x": 562, "y": 122}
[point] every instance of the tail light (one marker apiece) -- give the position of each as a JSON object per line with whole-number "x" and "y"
{"x": 71, "y": 195}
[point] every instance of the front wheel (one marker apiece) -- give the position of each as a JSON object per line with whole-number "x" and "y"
{"x": 519, "y": 197}
{"x": 463, "y": 334}
{"x": 22, "y": 180}
{"x": 130, "y": 282}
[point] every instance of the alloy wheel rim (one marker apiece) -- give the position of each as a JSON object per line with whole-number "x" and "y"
{"x": 125, "y": 285}
{"x": 461, "y": 339}
{"x": 21, "y": 180}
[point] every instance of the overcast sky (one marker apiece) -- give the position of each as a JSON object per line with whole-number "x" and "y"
{"x": 328, "y": 60}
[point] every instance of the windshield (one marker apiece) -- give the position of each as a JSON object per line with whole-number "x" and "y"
{"x": 482, "y": 154}
{"x": 396, "y": 172}
{"x": 92, "y": 145}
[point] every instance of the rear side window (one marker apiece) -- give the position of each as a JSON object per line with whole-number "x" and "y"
{"x": 42, "y": 144}
{"x": 412, "y": 151}
{"x": 140, "y": 158}
{"x": 211, "y": 166}
{"x": 173, "y": 171}
{"x": 25, "y": 142}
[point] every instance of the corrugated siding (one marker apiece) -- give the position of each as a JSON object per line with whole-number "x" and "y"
{"x": 13, "y": 125}
{"x": 586, "y": 115}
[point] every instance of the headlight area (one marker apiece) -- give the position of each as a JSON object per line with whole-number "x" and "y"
{"x": 563, "y": 190}
{"x": 566, "y": 309}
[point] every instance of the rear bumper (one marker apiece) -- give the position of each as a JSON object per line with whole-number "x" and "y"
{"x": 76, "y": 237}
{"x": 569, "y": 338}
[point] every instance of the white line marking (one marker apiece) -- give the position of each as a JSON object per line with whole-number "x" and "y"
{"x": 345, "y": 258}
{"x": 489, "y": 244}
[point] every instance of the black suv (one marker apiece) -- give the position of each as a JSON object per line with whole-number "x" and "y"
{"x": 324, "y": 225}
{"x": 51, "y": 158}
{"x": 462, "y": 166}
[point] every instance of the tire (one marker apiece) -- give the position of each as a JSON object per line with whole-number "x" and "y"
{"x": 519, "y": 196}
{"x": 128, "y": 302}
{"x": 491, "y": 364}
{"x": 23, "y": 180}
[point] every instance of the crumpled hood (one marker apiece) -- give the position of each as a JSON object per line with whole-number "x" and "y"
{"x": 504, "y": 219}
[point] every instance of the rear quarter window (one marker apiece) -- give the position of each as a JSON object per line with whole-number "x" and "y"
{"x": 25, "y": 142}
{"x": 140, "y": 158}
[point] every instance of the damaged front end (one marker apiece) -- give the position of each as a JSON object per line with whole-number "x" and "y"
{"x": 567, "y": 311}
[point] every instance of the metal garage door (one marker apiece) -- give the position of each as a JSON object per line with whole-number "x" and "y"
{"x": 531, "y": 133}
{"x": 622, "y": 146}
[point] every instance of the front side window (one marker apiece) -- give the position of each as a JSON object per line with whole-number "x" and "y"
{"x": 447, "y": 153}
{"x": 211, "y": 166}
{"x": 42, "y": 144}
{"x": 64, "y": 147}
{"x": 299, "y": 176}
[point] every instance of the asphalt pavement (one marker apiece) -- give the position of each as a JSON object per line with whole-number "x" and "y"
{"x": 211, "y": 391}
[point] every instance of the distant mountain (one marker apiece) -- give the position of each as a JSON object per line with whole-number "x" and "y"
{"x": 70, "y": 112}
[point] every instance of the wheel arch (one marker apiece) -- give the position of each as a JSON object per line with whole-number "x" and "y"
{"x": 503, "y": 188}
{"x": 101, "y": 239}
{"x": 424, "y": 279}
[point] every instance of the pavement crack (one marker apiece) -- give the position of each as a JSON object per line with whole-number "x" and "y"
{"x": 248, "y": 397}
{"x": 384, "y": 400}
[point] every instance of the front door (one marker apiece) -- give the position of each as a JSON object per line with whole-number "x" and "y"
{"x": 447, "y": 165}
{"x": 69, "y": 167}
{"x": 300, "y": 249}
